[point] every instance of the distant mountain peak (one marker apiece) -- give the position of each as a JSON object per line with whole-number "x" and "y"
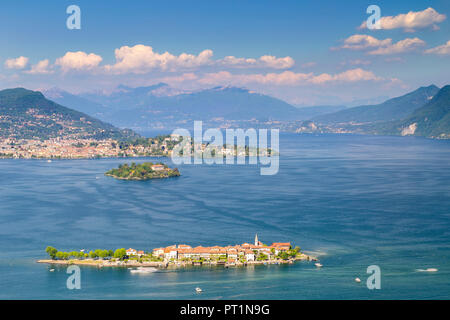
{"x": 228, "y": 89}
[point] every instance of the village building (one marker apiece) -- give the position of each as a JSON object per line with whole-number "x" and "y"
{"x": 131, "y": 252}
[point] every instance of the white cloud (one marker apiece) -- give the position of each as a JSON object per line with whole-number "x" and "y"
{"x": 406, "y": 45}
{"x": 440, "y": 50}
{"x": 363, "y": 41}
{"x": 383, "y": 47}
{"x": 353, "y": 75}
{"x": 181, "y": 78}
{"x": 42, "y": 67}
{"x": 16, "y": 63}
{"x": 78, "y": 61}
{"x": 142, "y": 59}
{"x": 411, "y": 20}
{"x": 287, "y": 78}
{"x": 262, "y": 62}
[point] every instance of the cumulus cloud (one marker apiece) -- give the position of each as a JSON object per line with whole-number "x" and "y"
{"x": 42, "y": 67}
{"x": 363, "y": 41}
{"x": 262, "y": 62}
{"x": 381, "y": 47}
{"x": 78, "y": 61}
{"x": 353, "y": 75}
{"x": 181, "y": 78}
{"x": 287, "y": 78}
{"x": 406, "y": 45}
{"x": 142, "y": 59}
{"x": 440, "y": 50}
{"x": 411, "y": 20}
{"x": 16, "y": 63}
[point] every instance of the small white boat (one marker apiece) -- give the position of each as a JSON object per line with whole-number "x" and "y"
{"x": 358, "y": 280}
{"x": 51, "y": 270}
{"x": 144, "y": 270}
{"x": 318, "y": 265}
{"x": 428, "y": 270}
{"x": 198, "y": 290}
{"x": 49, "y": 161}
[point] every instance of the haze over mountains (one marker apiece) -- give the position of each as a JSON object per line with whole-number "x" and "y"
{"x": 423, "y": 111}
{"x": 161, "y": 106}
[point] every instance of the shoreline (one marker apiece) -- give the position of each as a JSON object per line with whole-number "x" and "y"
{"x": 170, "y": 264}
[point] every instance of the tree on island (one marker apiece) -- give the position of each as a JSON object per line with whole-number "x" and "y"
{"x": 283, "y": 255}
{"x": 262, "y": 257}
{"x": 120, "y": 253}
{"x": 51, "y": 252}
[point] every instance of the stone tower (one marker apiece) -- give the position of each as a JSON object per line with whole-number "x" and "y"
{"x": 256, "y": 240}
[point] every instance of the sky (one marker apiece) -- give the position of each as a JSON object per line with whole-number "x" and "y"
{"x": 304, "y": 52}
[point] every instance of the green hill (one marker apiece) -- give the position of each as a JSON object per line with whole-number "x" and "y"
{"x": 26, "y": 114}
{"x": 432, "y": 120}
{"x": 394, "y": 109}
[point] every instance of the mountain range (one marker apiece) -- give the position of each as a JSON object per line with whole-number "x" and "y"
{"x": 160, "y": 106}
{"x": 25, "y": 113}
{"x": 431, "y": 120}
{"x": 392, "y": 109}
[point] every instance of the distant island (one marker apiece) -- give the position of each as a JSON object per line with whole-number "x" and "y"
{"x": 183, "y": 255}
{"x": 143, "y": 171}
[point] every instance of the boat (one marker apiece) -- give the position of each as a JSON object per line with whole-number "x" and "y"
{"x": 49, "y": 161}
{"x": 318, "y": 265}
{"x": 198, "y": 290}
{"x": 144, "y": 270}
{"x": 51, "y": 270}
{"x": 428, "y": 270}
{"x": 358, "y": 280}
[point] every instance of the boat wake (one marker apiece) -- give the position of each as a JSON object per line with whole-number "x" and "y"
{"x": 144, "y": 270}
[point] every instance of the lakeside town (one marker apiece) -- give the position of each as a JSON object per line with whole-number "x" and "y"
{"x": 66, "y": 148}
{"x": 183, "y": 255}
{"x": 79, "y": 148}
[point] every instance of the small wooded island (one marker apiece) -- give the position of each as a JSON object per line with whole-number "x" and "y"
{"x": 143, "y": 171}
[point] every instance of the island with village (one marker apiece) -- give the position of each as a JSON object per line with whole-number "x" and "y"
{"x": 183, "y": 255}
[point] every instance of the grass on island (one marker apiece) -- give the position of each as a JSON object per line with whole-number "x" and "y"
{"x": 143, "y": 171}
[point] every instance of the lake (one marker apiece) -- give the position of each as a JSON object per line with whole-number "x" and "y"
{"x": 353, "y": 201}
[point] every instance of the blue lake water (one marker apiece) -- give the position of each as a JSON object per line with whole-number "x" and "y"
{"x": 352, "y": 200}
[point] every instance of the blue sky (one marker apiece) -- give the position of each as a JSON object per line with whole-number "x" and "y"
{"x": 310, "y": 61}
